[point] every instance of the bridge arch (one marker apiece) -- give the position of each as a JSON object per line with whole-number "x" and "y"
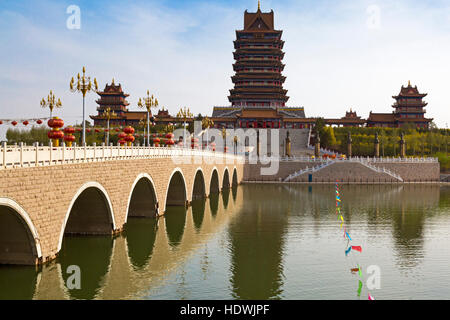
{"x": 93, "y": 199}
{"x": 214, "y": 187}
{"x": 176, "y": 192}
{"x": 199, "y": 185}
{"x": 18, "y": 230}
{"x": 143, "y": 198}
{"x": 226, "y": 179}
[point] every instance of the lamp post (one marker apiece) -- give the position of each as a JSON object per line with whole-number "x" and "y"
{"x": 108, "y": 115}
{"x": 206, "y": 124}
{"x": 184, "y": 114}
{"x": 148, "y": 102}
{"x": 83, "y": 85}
{"x": 51, "y": 103}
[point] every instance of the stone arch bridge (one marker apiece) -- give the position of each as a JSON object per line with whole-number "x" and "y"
{"x": 47, "y": 193}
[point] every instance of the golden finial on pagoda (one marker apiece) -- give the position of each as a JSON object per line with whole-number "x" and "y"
{"x": 112, "y": 81}
{"x": 259, "y": 5}
{"x": 409, "y": 83}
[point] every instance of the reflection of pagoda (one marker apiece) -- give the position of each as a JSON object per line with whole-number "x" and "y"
{"x": 409, "y": 108}
{"x": 258, "y": 98}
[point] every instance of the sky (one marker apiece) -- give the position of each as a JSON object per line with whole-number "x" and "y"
{"x": 340, "y": 54}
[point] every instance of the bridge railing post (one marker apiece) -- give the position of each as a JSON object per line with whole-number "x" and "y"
{"x": 74, "y": 152}
{"x": 4, "y": 154}
{"x": 50, "y": 147}
{"x": 21, "y": 153}
{"x": 95, "y": 153}
{"x": 63, "y": 150}
{"x": 36, "y": 149}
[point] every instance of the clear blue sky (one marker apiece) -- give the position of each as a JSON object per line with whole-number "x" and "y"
{"x": 339, "y": 54}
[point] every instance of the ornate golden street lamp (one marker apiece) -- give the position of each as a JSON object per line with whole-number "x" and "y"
{"x": 51, "y": 103}
{"x": 206, "y": 124}
{"x": 184, "y": 114}
{"x": 148, "y": 103}
{"x": 144, "y": 123}
{"x": 83, "y": 85}
{"x": 108, "y": 114}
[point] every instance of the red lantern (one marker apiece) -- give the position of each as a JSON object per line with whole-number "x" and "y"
{"x": 25, "y": 123}
{"x": 39, "y": 121}
{"x": 122, "y": 135}
{"x": 106, "y": 130}
{"x": 1, "y": 122}
{"x": 55, "y": 134}
{"x": 129, "y": 139}
{"x": 128, "y": 130}
{"x": 170, "y": 142}
{"x": 169, "y": 136}
{"x": 122, "y": 142}
{"x": 55, "y": 123}
{"x": 117, "y": 130}
{"x": 97, "y": 130}
{"x": 14, "y": 123}
{"x": 69, "y": 130}
{"x": 69, "y": 137}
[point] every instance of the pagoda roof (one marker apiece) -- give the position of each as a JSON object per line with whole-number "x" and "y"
{"x": 381, "y": 117}
{"x": 113, "y": 89}
{"x": 410, "y": 91}
{"x": 259, "y": 21}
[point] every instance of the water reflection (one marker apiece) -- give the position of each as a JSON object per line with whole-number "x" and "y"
{"x": 256, "y": 238}
{"x": 93, "y": 256}
{"x": 225, "y": 197}
{"x": 141, "y": 236}
{"x": 175, "y": 218}
{"x": 272, "y": 242}
{"x": 18, "y": 283}
{"x": 198, "y": 213}
{"x": 214, "y": 204}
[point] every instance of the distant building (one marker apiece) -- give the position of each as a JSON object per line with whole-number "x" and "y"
{"x": 409, "y": 108}
{"x": 113, "y": 97}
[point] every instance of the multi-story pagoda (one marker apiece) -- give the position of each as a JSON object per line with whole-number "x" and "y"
{"x": 258, "y": 53}
{"x": 258, "y": 99}
{"x": 409, "y": 108}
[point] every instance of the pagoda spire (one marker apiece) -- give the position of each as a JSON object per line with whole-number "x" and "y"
{"x": 259, "y": 5}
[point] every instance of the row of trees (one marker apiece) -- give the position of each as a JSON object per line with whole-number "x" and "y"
{"x": 419, "y": 142}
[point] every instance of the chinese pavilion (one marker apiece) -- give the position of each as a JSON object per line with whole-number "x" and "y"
{"x": 409, "y": 108}
{"x": 113, "y": 97}
{"x": 258, "y": 98}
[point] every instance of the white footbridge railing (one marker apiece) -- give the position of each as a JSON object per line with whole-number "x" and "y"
{"x": 32, "y": 156}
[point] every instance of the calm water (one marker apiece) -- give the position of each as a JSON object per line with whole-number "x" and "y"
{"x": 261, "y": 242}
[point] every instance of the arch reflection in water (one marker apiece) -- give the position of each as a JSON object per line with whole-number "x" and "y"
{"x": 198, "y": 213}
{"x": 225, "y": 197}
{"x": 175, "y": 220}
{"x": 141, "y": 236}
{"x": 214, "y": 204}
{"x": 18, "y": 283}
{"x": 93, "y": 256}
